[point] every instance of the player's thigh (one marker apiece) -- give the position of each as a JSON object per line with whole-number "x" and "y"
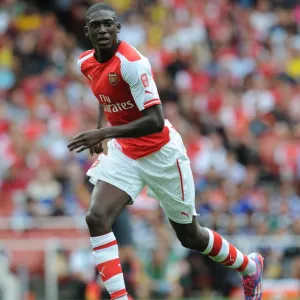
{"x": 185, "y": 230}
{"x": 191, "y": 235}
{"x": 116, "y": 182}
{"x": 178, "y": 192}
{"x": 107, "y": 200}
{"x": 170, "y": 180}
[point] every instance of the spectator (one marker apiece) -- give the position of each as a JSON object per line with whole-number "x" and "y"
{"x": 44, "y": 189}
{"x": 58, "y": 209}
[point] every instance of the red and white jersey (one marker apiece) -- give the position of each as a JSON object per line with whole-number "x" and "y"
{"x": 124, "y": 86}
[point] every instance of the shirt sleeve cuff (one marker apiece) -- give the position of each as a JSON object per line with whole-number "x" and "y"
{"x": 149, "y": 103}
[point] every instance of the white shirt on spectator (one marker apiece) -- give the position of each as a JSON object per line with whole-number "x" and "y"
{"x": 241, "y": 67}
{"x": 183, "y": 80}
{"x": 254, "y": 101}
{"x": 133, "y": 34}
{"x": 235, "y": 172}
{"x": 185, "y": 38}
{"x": 262, "y": 22}
{"x": 210, "y": 158}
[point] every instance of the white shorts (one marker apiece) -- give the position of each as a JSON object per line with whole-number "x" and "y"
{"x": 167, "y": 173}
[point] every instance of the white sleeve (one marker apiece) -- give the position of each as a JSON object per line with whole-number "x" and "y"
{"x": 83, "y": 57}
{"x": 139, "y": 77}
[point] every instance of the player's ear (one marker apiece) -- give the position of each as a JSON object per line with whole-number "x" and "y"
{"x": 118, "y": 27}
{"x": 86, "y": 31}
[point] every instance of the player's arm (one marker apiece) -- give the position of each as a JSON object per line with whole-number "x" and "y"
{"x": 152, "y": 121}
{"x": 101, "y": 117}
{"x": 99, "y": 148}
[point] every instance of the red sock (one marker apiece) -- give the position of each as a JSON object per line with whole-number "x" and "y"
{"x": 108, "y": 264}
{"x": 226, "y": 254}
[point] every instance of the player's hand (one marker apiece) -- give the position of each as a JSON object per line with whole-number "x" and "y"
{"x": 87, "y": 140}
{"x": 96, "y": 149}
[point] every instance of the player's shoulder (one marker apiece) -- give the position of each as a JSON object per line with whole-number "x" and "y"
{"x": 85, "y": 53}
{"x": 84, "y": 56}
{"x": 128, "y": 53}
{"x": 132, "y": 62}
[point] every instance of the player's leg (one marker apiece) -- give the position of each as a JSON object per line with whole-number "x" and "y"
{"x": 170, "y": 179}
{"x": 116, "y": 184}
{"x": 123, "y": 232}
{"x": 107, "y": 201}
{"x": 210, "y": 243}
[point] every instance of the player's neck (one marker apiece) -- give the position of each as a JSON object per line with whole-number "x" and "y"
{"x": 105, "y": 55}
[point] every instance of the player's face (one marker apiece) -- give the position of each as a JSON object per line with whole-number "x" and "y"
{"x": 102, "y": 29}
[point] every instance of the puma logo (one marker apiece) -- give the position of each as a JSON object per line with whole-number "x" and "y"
{"x": 228, "y": 262}
{"x": 101, "y": 272}
{"x": 185, "y": 214}
{"x": 148, "y": 92}
{"x": 230, "y": 259}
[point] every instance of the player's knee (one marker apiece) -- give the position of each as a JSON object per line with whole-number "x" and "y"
{"x": 97, "y": 219}
{"x": 196, "y": 239}
{"x": 186, "y": 241}
{"x": 191, "y": 239}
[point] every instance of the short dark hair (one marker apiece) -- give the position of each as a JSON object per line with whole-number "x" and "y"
{"x": 99, "y": 6}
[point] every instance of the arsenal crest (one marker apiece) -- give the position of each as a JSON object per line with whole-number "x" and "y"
{"x": 113, "y": 78}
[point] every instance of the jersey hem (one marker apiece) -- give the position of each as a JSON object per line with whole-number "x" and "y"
{"x": 180, "y": 221}
{"x": 144, "y": 155}
{"x": 94, "y": 179}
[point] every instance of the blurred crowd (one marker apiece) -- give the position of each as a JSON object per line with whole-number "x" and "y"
{"x": 228, "y": 74}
